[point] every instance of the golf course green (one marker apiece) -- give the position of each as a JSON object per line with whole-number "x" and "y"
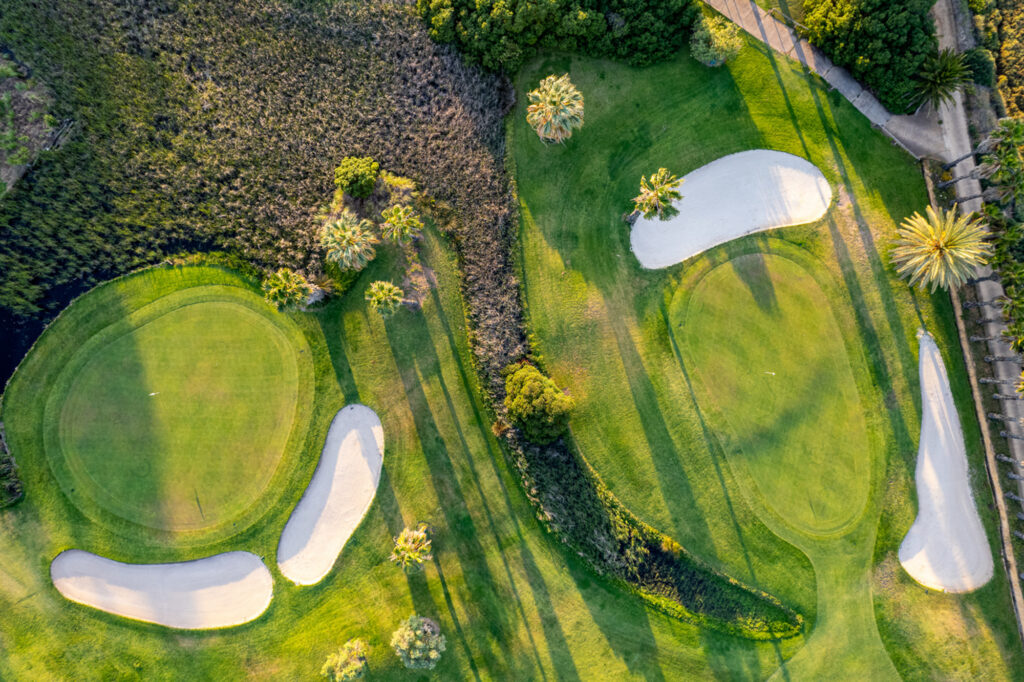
{"x": 770, "y": 358}
{"x": 157, "y": 417}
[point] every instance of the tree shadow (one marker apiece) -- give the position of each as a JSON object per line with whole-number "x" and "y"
{"x": 752, "y": 269}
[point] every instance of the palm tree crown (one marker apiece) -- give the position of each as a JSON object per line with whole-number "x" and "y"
{"x": 349, "y": 241}
{"x": 657, "y": 194}
{"x": 941, "y": 249}
{"x": 556, "y": 107}
{"x": 400, "y": 224}
{"x": 940, "y": 77}
{"x": 384, "y": 297}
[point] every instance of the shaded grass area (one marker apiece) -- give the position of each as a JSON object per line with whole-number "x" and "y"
{"x": 600, "y": 322}
{"x": 512, "y": 603}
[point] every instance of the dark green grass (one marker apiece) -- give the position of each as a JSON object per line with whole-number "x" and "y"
{"x": 511, "y": 602}
{"x": 601, "y": 325}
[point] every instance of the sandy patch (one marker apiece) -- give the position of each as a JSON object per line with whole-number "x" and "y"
{"x": 215, "y": 592}
{"x": 731, "y": 197}
{"x": 946, "y": 548}
{"x": 341, "y": 491}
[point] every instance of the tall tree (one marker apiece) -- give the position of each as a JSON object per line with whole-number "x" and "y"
{"x": 556, "y": 107}
{"x": 349, "y": 241}
{"x": 657, "y": 194}
{"x": 940, "y": 249}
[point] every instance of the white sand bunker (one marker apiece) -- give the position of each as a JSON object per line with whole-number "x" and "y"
{"x": 215, "y": 592}
{"x": 337, "y": 498}
{"x": 946, "y": 548}
{"x": 731, "y": 197}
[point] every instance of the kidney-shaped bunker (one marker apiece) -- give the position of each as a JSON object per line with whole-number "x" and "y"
{"x": 215, "y": 592}
{"x": 341, "y": 491}
{"x": 731, "y": 197}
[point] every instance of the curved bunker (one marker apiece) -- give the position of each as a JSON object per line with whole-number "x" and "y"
{"x": 946, "y": 548}
{"x": 731, "y": 197}
{"x": 215, "y": 592}
{"x": 341, "y": 491}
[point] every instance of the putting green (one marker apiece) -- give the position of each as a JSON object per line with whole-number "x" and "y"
{"x": 176, "y": 416}
{"x": 774, "y": 371}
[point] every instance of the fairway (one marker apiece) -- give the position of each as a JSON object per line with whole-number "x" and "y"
{"x": 769, "y": 355}
{"x": 179, "y": 423}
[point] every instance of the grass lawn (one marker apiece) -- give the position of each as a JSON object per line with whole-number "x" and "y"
{"x": 511, "y": 602}
{"x": 151, "y": 415}
{"x": 602, "y": 325}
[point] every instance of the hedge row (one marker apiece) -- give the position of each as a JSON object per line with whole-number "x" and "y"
{"x": 1010, "y": 58}
{"x": 502, "y": 34}
{"x": 882, "y": 43}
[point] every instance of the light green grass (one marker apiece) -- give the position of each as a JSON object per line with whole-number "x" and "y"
{"x": 769, "y": 355}
{"x": 511, "y": 602}
{"x": 601, "y": 325}
{"x": 156, "y": 419}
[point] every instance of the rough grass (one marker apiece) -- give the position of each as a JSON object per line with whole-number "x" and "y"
{"x": 600, "y": 323}
{"x": 511, "y": 602}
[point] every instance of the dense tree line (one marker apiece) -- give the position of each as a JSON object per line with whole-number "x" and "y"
{"x": 501, "y": 34}
{"x": 218, "y": 126}
{"x": 883, "y": 43}
{"x": 1011, "y": 55}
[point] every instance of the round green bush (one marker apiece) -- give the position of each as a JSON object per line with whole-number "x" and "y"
{"x": 535, "y": 404}
{"x": 349, "y": 663}
{"x": 419, "y": 643}
{"x": 982, "y": 65}
{"x": 356, "y": 175}
{"x": 286, "y": 288}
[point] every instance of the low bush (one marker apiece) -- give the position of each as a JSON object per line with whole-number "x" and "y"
{"x": 419, "y": 643}
{"x": 349, "y": 663}
{"x": 883, "y": 43}
{"x": 356, "y": 175}
{"x": 982, "y": 65}
{"x": 715, "y": 40}
{"x": 535, "y": 404}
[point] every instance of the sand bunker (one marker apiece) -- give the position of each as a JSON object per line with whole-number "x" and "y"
{"x": 946, "y": 548}
{"x": 731, "y": 197}
{"x": 339, "y": 494}
{"x": 215, "y": 592}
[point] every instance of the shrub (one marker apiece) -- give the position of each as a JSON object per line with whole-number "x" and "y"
{"x": 286, "y": 288}
{"x": 384, "y": 297}
{"x": 883, "y": 43}
{"x": 1011, "y": 54}
{"x": 982, "y": 65}
{"x": 412, "y": 548}
{"x": 715, "y": 40}
{"x": 349, "y": 663}
{"x": 535, "y": 404}
{"x": 349, "y": 241}
{"x": 419, "y": 643}
{"x": 356, "y": 175}
{"x": 400, "y": 224}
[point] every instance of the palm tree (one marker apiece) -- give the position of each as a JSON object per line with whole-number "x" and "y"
{"x": 400, "y": 224}
{"x": 941, "y": 249}
{"x": 657, "y": 194}
{"x": 940, "y": 77}
{"x": 412, "y": 548}
{"x": 349, "y": 241}
{"x": 556, "y": 107}
{"x": 1008, "y": 131}
{"x": 286, "y": 288}
{"x": 384, "y": 297}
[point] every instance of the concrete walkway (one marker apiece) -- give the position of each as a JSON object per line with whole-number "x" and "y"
{"x": 920, "y": 134}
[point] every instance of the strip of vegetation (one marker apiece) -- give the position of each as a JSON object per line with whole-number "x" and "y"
{"x": 883, "y": 43}
{"x": 10, "y": 485}
{"x": 502, "y": 34}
